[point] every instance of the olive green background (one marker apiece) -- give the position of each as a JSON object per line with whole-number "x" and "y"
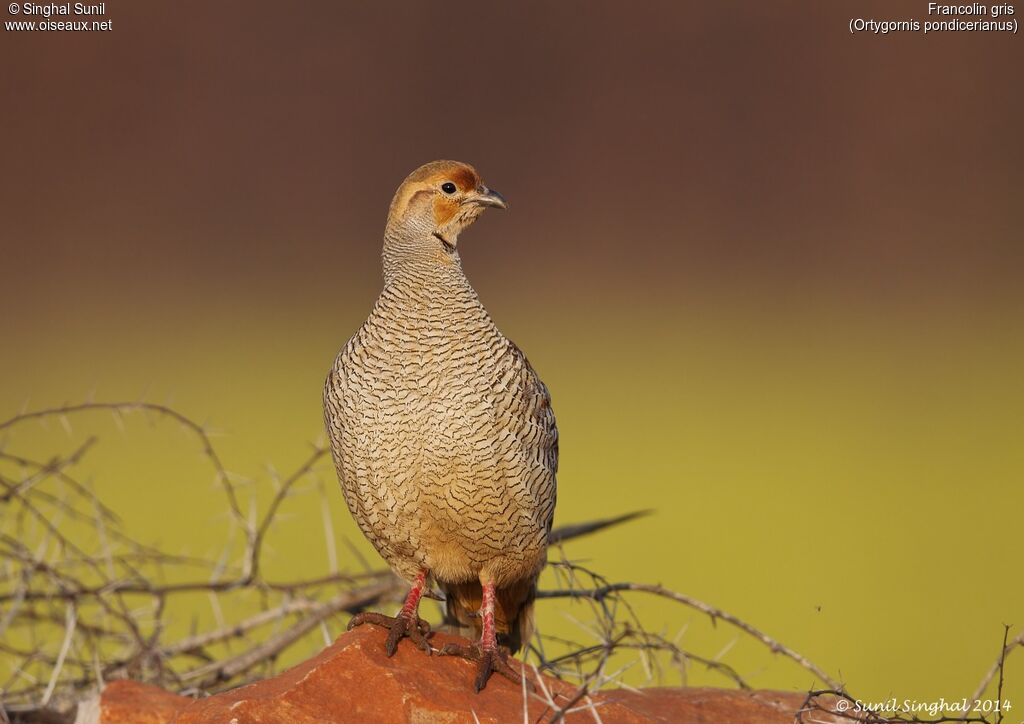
{"x": 771, "y": 272}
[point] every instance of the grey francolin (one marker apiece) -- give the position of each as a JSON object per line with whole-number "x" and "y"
{"x": 442, "y": 433}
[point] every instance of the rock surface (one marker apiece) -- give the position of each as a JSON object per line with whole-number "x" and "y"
{"x": 352, "y": 680}
{"x": 129, "y": 702}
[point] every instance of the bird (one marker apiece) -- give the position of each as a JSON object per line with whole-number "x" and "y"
{"x": 443, "y": 434}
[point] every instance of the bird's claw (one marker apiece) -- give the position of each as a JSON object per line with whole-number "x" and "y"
{"x": 414, "y": 628}
{"x": 488, "y": 660}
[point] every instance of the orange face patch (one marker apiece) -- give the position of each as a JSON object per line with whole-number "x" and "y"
{"x": 428, "y": 179}
{"x": 434, "y": 174}
{"x": 464, "y": 177}
{"x": 444, "y": 210}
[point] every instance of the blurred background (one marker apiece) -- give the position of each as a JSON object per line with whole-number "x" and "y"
{"x": 771, "y": 272}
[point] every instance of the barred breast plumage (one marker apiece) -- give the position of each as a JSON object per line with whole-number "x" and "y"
{"x": 442, "y": 433}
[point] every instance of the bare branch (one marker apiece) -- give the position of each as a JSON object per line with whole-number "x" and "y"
{"x": 568, "y": 532}
{"x": 999, "y": 664}
{"x": 83, "y": 603}
{"x": 603, "y": 592}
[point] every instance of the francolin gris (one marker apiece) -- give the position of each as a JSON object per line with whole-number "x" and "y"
{"x": 442, "y": 433}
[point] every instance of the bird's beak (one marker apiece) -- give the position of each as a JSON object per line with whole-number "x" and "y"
{"x": 488, "y": 197}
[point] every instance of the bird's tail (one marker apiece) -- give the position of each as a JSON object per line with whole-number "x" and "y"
{"x": 513, "y": 611}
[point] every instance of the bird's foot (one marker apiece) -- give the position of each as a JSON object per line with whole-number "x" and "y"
{"x": 399, "y": 627}
{"x": 488, "y": 660}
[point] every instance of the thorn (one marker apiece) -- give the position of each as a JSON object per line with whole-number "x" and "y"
{"x": 436, "y": 595}
{"x": 567, "y": 532}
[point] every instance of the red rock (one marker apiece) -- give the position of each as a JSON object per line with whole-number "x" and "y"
{"x": 129, "y": 702}
{"x": 353, "y": 681}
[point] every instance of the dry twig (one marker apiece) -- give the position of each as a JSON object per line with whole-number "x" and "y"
{"x": 74, "y": 614}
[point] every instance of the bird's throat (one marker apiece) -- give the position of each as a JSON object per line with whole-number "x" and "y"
{"x": 448, "y": 246}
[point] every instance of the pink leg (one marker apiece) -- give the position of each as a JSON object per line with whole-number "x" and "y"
{"x": 488, "y": 637}
{"x": 411, "y": 608}
{"x": 488, "y": 655}
{"x": 406, "y": 623}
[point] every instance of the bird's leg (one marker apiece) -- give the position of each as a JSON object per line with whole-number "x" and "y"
{"x": 489, "y": 656}
{"x": 406, "y": 623}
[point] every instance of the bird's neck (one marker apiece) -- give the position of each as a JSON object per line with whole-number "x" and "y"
{"x": 426, "y": 292}
{"x": 425, "y": 268}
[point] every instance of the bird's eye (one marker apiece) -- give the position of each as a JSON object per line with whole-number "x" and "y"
{"x": 448, "y": 187}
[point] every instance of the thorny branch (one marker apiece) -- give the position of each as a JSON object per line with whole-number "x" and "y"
{"x": 83, "y": 602}
{"x": 602, "y": 592}
{"x": 999, "y": 664}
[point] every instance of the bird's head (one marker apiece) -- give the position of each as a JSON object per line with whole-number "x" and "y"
{"x": 440, "y": 199}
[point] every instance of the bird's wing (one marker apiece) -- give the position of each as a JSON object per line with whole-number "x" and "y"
{"x": 537, "y": 431}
